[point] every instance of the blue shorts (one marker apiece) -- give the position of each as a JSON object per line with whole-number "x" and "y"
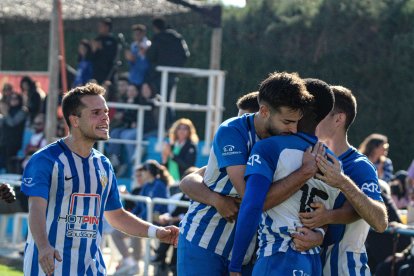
{"x": 290, "y": 263}
{"x": 193, "y": 260}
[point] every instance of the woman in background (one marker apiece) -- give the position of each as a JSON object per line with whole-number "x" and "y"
{"x": 181, "y": 151}
{"x": 375, "y": 147}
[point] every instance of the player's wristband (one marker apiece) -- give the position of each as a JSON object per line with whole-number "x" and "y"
{"x": 152, "y": 231}
{"x": 320, "y": 230}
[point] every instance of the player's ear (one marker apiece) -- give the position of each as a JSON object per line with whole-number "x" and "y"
{"x": 264, "y": 111}
{"x": 74, "y": 120}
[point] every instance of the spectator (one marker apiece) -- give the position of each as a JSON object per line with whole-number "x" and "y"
{"x": 5, "y": 94}
{"x": 138, "y": 63}
{"x": 32, "y": 97}
{"x": 104, "y": 48}
{"x": 12, "y": 124}
{"x": 84, "y": 70}
{"x": 168, "y": 49}
{"x": 399, "y": 189}
{"x": 410, "y": 175}
{"x": 122, "y": 88}
{"x": 375, "y": 147}
{"x": 124, "y": 127}
{"x": 37, "y": 140}
{"x": 129, "y": 262}
{"x": 181, "y": 151}
{"x": 156, "y": 179}
{"x": 401, "y": 263}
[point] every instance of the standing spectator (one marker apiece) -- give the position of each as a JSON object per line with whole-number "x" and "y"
{"x": 32, "y": 97}
{"x": 168, "y": 49}
{"x": 84, "y": 70}
{"x": 37, "y": 140}
{"x": 12, "y": 124}
{"x": 375, "y": 147}
{"x": 138, "y": 63}
{"x": 104, "y": 48}
{"x": 181, "y": 151}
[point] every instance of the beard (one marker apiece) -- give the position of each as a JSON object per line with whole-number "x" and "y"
{"x": 94, "y": 137}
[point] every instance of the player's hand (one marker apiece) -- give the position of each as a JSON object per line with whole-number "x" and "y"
{"x": 306, "y": 239}
{"x": 330, "y": 173}
{"x": 168, "y": 234}
{"x": 47, "y": 256}
{"x": 314, "y": 219}
{"x": 235, "y": 274}
{"x": 7, "y": 193}
{"x": 309, "y": 165}
{"x": 228, "y": 207}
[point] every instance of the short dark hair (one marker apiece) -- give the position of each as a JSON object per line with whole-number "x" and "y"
{"x": 139, "y": 27}
{"x": 284, "y": 89}
{"x": 71, "y": 102}
{"x": 345, "y": 102}
{"x": 249, "y": 102}
{"x": 323, "y": 96}
{"x": 159, "y": 23}
{"x": 108, "y": 22}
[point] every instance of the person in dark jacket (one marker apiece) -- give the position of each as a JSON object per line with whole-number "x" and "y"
{"x": 181, "y": 151}
{"x": 104, "y": 48}
{"x": 32, "y": 96}
{"x": 12, "y": 122}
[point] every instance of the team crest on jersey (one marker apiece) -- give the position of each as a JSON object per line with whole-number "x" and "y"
{"x": 103, "y": 178}
{"x": 27, "y": 181}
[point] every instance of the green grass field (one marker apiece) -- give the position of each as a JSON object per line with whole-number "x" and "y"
{"x": 9, "y": 271}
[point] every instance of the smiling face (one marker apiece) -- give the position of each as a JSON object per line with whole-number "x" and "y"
{"x": 93, "y": 122}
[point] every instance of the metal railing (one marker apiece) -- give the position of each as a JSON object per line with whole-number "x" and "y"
{"x": 214, "y": 107}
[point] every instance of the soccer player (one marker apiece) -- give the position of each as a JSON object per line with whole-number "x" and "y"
{"x": 6, "y": 193}
{"x": 344, "y": 250}
{"x": 270, "y": 160}
{"x": 206, "y": 238}
{"x": 248, "y": 103}
{"x": 70, "y": 187}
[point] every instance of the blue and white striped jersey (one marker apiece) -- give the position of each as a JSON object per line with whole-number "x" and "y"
{"x": 78, "y": 191}
{"x": 203, "y": 225}
{"x": 275, "y": 158}
{"x": 344, "y": 245}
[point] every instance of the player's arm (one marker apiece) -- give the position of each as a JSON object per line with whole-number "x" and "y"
{"x": 37, "y": 224}
{"x": 194, "y": 187}
{"x": 249, "y": 217}
{"x": 128, "y": 223}
{"x": 372, "y": 211}
{"x": 286, "y": 187}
